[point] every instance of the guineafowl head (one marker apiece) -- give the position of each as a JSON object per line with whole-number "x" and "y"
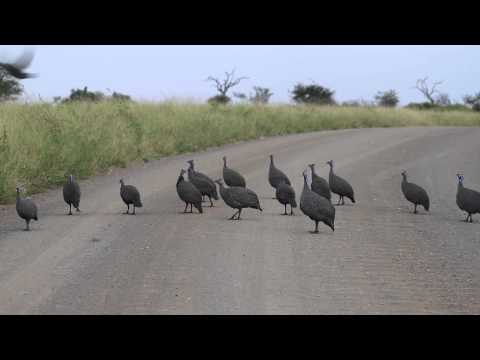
{"x": 460, "y": 178}
{"x": 182, "y": 172}
{"x": 121, "y": 182}
{"x": 404, "y": 175}
{"x": 191, "y": 163}
{"x": 224, "y": 161}
{"x": 330, "y": 162}
{"x": 271, "y": 159}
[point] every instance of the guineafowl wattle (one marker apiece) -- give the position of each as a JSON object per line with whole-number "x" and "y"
{"x": 276, "y": 176}
{"x": 72, "y": 193}
{"x": 415, "y": 194}
{"x": 189, "y": 194}
{"x": 339, "y": 186}
{"x": 316, "y": 207}
{"x": 16, "y": 69}
{"x": 26, "y": 209}
{"x": 285, "y": 195}
{"x": 238, "y": 198}
{"x": 130, "y": 196}
{"x": 232, "y": 177}
{"x": 320, "y": 185}
{"x": 202, "y": 182}
{"x": 468, "y": 200}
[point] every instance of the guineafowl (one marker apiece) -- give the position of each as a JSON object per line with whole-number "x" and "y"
{"x": 316, "y": 207}
{"x": 238, "y": 198}
{"x": 16, "y": 69}
{"x": 415, "y": 194}
{"x": 468, "y": 200}
{"x": 26, "y": 209}
{"x": 130, "y": 196}
{"x": 320, "y": 185}
{"x": 286, "y": 195}
{"x": 202, "y": 182}
{"x": 276, "y": 176}
{"x": 339, "y": 186}
{"x": 232, "y": 177}
{"x": 72, "y": 193}
{"x": 189, "y": 194}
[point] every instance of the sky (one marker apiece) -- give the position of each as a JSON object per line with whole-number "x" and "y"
{"x": 158, "y": 72}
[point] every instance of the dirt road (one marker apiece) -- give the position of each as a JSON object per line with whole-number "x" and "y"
{"x": 381, "y": 259}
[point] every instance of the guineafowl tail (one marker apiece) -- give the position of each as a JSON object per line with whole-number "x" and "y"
{"x": 138, "y": 204}
{"x": 352, "y": 198}
{"x": 427, "y": 206}
{"x": 36, "y": 218}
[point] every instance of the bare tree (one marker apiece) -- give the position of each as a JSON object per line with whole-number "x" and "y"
{"x": 226, "y": 84}
{"x": 426, "y": 90}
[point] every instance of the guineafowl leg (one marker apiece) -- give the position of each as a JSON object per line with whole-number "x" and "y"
{"x": 186, "y": 206}
{"x": 233, "y": 216}
{"x": 191, "y": 208}
{"x": 239, "y": 212}
{"x": 133, "y": 210}
{"x": 343, "y": 201}
{"x": 415, "y": 209}
{"x": 316, "y": 228}
{"x": 211, "y": 202}
{"x": 28, "y": 225}
{"x": 339, "y": 199}
{"x": 291, "y": 210}
{"x": 78, "y": 209}
{"x": 128, "y": 209}
{"x": 285, "y": 213}
{"x": 70, "y": 213}
{"x": 471, "y": 220}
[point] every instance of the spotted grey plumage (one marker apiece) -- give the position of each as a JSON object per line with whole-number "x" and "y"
{"x": 468, "y": 200}
{"x": 232, "y": 177}
{"x": 189, "y": 194}
{"x": 72, "y": 193}
{"x": 130, "y": 196}
{"x": 285, "y": 195}
{"x": 26, "y": 209}
{"x": 202, "y": 182}
{"x": 276, "y": 176}
{"x": 415, "y": 194}
{"x": 316, "y": 207}
{"x": 320, "y": 185}
{"x": 238, "y": 198}
{"x": 339, "y": 186}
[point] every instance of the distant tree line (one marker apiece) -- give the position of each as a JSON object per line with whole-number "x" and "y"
{"x": 311, "y": 94}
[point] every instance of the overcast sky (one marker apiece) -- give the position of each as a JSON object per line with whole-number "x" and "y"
{"x": 159, "y": 72}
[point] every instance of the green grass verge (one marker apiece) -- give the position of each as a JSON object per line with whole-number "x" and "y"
{"x": 39, "y": 143}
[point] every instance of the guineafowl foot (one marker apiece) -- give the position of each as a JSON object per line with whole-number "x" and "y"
{"x": 70, "y": 213}
{"x": 284, "y": 213}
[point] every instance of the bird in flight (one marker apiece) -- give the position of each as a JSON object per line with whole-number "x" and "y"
{"x": 16, "y": 69}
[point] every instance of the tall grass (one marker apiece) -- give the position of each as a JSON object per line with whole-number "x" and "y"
{"x": 39, "y": 143}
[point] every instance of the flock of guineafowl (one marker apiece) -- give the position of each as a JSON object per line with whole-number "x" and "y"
{"x": 315, "y": 199}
